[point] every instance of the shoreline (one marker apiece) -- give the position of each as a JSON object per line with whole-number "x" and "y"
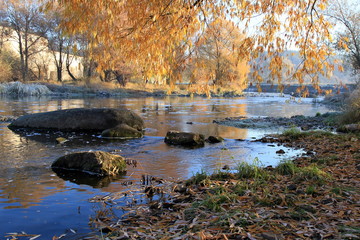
{"x": 313, "y": 196}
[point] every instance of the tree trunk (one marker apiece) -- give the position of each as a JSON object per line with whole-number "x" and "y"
{"x": 120, "y": 78}
{"x": 69, "y": 72}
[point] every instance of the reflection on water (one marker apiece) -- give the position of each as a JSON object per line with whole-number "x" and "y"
{"x": 36, "y": 200}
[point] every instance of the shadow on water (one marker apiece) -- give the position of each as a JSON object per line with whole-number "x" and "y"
{"x": 81, "y": 178}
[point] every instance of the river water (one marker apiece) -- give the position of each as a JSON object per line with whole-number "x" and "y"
{"x": 36, "y": 200}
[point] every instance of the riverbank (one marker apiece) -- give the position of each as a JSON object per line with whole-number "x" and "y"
{"x": 327, "y": 121}
{"x": 314, "y": 196}
{"x": 102, "y": 89}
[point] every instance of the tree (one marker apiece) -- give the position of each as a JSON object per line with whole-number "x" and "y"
{"x": 347, "y": 16}
{"x": 28, "y": 24}
{"x": 218, "y": 57}
{"x": 57, "y": 43}
{"x": 146, "y": 33}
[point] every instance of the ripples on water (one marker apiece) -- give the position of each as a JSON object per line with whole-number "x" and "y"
{"x": 36, "y": 200}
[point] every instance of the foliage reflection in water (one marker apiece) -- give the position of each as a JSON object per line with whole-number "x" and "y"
{"x": 36, "y": 200}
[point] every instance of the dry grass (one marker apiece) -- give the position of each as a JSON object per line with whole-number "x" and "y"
{"x": 21, "y": 89}
{"x": 352, "y": 112}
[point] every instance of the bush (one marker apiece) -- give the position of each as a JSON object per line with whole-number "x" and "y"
{"x": 352, "y": 112}
{"x": 9, "y": 67}
{"x": 20, "y": 89}
{"x": 5, "y": 71}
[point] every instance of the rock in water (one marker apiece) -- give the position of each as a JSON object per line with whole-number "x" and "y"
{"x": 97, "y": 162}
{"x": 215, "y": 139}
{"x": 122, "y": 131}
{"x": 185, "y": 139}
{"x": 80, "y": 119}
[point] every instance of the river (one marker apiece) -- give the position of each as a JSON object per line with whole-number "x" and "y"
{"x": 35, "y": 200}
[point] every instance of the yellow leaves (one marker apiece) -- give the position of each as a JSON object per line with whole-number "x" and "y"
{"x": 322, "y": 6}
{"x": 158, "y": 35}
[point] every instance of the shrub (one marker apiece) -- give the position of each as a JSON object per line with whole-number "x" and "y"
{"x": 5, "y": 71}
{"x": 9, "y": 67}
{"x": 352, "y": 110}
{"x": 294, "y": 133}
{"x": 20, "y": 89}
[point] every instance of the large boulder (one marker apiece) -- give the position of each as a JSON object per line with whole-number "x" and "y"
{"x": 80, "y": 119}
{"x": 97, "y": 162}
{"x": 122, "y": 131}
{"x": 185, "y": 139}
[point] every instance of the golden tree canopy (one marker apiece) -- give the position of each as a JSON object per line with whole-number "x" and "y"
{"x": 147, "y": 33}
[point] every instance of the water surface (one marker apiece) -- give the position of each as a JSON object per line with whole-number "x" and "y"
{"x": 36, "y": 200}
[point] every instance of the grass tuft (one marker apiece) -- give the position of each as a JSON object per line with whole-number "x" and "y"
{"x": 312, "y": 173}
{"x": 286, "y": 168}
{"x": 199, "y": 178}
{"x": 20, "y": 89}
{"x": 294, "y": 133}
{"x": 246, "y": 171}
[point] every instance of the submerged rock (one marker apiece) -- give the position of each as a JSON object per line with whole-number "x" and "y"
{"x": 80, "y": 119}
{"x": 187, "y": 139}
{"x": 215, "y": 139}
{"x": 122, "y": 131}
{"x": 281, "y": 151}
{"x": 97, "y": 162}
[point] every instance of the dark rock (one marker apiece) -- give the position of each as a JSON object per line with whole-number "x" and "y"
{"x": 305, "y": 127}
{"x": 98, "y": 162}
{"x": 80, "y": 119}
{"x": 122, "y": 131}
{"x": 281, "y": 151}
{"x": 214, "y": 139}
{"x": 185, "y": 139}
{"x": 189, "y": 122}
{"x": 291, "y": 187}
{"x": 240, "y": 140}
{"x": 309, "y": 152}
{"x": 226, "y": 167}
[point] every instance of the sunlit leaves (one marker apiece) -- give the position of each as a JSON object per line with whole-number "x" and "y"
{"x": 147, "y": 33}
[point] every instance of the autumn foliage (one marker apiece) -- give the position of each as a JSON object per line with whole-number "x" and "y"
{"x": 157, "y": 38}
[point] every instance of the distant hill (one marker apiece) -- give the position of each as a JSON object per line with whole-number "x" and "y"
{"x": 292, "y": 59}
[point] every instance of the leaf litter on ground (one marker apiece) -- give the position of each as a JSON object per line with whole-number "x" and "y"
{"x": 320, "y": 199}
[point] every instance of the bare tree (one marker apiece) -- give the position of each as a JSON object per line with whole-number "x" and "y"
{"x": 28, "y": 26}
{"x": 347, "y": 17}
{"x": 57, "y": 43}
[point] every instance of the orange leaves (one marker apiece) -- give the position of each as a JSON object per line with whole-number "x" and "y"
{"x": 147, "y": 33}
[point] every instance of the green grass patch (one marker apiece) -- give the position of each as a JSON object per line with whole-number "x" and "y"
{"x": 247, "y": 171}
{"x": 199, "y": 178}
{"x": 214, "y": 201}
{"x": 310, "y": 190}
{"x": 311, "y": 173}
{"x": 294, "y": 133}
{"x": 287, "y": 167}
